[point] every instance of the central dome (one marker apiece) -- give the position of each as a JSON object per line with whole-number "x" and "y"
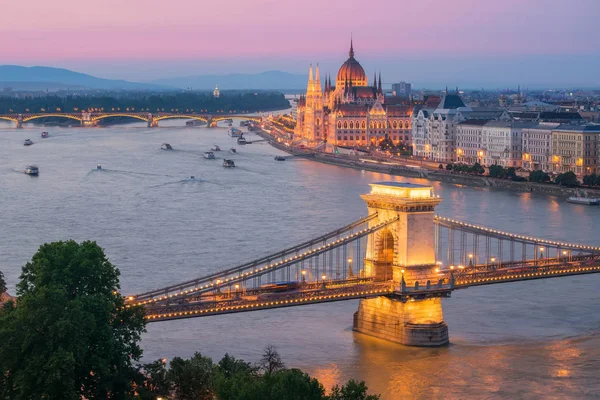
{"x": 351, "y": 71}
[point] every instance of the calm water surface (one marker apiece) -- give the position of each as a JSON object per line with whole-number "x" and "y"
{"x": 523, "y": 340}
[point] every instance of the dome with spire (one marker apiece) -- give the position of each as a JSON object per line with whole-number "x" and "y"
{"x": 351, "y": 72}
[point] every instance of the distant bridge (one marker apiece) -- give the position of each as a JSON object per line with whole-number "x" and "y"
{"x": 86, "y": 119}
{"x": 400, "y": 260}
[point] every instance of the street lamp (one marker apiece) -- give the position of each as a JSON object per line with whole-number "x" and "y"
{"x": 350, "y": 272}
{"x": 303, "y": 276}
{"x": 470, "y": 259}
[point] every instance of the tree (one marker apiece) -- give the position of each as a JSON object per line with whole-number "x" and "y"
{"x": 568, "y": 179}
{"x": 477, "y": 168}
{"x": 539, "y": 176}
{"x": 155, "y": 382}
{"x": 2, "y": 283}
{"x": 510, "y": 173}
{"x": 449, "y": 167}
{"x": 271, "y": 360}
{"x": 70, "y": 335}
{"x": 496, "y": 171}
{"x": 291, "y": 384}
{"x": 193, "y": 379}
{"x": 353, "y": 390}
{"x": 440, "y": 166}
{"x": 591, "y": 180}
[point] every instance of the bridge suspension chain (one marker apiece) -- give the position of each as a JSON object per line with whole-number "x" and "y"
{"x": 240, "y": 277}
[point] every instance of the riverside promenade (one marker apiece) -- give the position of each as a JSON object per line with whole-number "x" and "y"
{"x": 416, "y": 168}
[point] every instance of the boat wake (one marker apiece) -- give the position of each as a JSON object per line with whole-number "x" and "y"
{"x": 123, "y": 172}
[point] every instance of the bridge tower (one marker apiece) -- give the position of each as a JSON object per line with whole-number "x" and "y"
{"x": 403, "y": 253}
{"x": 20, "y": 121}
{"x": 152, "y": 121}
{"x": 87, "y": 120}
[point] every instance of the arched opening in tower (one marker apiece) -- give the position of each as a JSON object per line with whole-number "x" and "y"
{"x": 386, "y": 247}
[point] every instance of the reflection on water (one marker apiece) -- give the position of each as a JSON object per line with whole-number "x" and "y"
{"x": 523, "y": 340}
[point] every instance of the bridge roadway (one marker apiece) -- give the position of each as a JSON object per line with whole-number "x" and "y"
{"x": 242, "y": 288}
{"x": 350, "y": 289}
{"x": 92, "y": 118}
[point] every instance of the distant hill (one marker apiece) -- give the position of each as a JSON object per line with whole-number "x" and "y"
{"x": 274, "y": 80}
{"x": 42, "y": 78}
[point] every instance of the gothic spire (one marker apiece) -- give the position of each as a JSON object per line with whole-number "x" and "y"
{"x": 351, "y": 52}
{"x": 375, "y": 79}
{"x": 318, "y": 80}
{"x": 379, "y": 89}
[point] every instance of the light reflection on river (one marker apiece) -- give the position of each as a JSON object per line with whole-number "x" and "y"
{"x": 524, "y": 340}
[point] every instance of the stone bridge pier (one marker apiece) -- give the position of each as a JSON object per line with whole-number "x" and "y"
{"x": 20, "y": 121}
{"x": 403, "y": 253}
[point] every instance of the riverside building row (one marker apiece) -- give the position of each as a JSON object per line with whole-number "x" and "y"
{"x": 454, "y": 132}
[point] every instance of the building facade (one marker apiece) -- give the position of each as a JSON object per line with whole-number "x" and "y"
{"x": 575, "y": 148}
{"x": 350, "y": 113}
{"x": 502, "y": 144}
{"x": 537, "y": 146}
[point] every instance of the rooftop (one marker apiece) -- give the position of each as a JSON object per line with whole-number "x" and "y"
{"x": 405, "y": 185}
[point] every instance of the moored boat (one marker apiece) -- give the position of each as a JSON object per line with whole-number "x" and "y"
{"x": 44, "y": 134}
{"x": 27, "y": 142}
{"x": 228, "y": 163}
{"x": 166, "y": 146}
{"x": 215, "y": 148}
{"x": 587, "y": 201}
{"x": 32, "y": 170}
{"x": 209, "y": 155}
{"x": 279, "y": 158}
{"x": 242, "y": 140}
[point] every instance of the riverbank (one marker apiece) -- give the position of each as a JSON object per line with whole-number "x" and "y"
{"x": 414, "y": 171}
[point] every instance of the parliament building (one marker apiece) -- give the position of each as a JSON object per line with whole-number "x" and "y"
{"x": 349, "y": 112}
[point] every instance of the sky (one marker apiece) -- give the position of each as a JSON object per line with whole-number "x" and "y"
{"x": 479, "y": 42}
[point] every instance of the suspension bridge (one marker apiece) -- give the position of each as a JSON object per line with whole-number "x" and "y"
{"x": 400, "y": 260}
{"x": 90, "y": 119}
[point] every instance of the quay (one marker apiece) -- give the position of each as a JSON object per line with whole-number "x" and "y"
{"x": 414, "y": 168}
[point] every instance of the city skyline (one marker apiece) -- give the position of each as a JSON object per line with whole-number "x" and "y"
{"x": 466, "y": 43}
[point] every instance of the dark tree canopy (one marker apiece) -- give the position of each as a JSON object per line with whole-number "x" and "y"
{"x": 539, "y": 176}
{"x": 568, "y": 179}
{"x": 179, "y": 102}
{"x": 69, "y": 335}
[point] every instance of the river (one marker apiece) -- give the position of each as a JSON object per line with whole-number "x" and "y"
{"x": 537, "y": 339}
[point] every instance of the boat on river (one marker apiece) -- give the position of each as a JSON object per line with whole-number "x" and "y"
{"x": 32, "y": 170}
{"x": 279, "y": 158}
{"x": 166, "y": 146}
{"x": 215, "y": 148}
{"x": 209, "y": 155}
{"x": 27, "y": 142}
{"x": 228, "y": 163}
{"x": 586, "y": 201}
{"x": 233, "y": 150}
{"x": 242, "y": 140}
{"x": 235, "y": 132}
{"x": 44, "y": 135}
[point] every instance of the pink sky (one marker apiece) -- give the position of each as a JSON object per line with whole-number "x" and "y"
{"x": 116, "y": 32}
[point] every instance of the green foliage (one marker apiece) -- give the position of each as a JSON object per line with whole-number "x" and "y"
{"x": 387, "y": 144}
{"x": 180, "y": 102}
{"x": 193, "y": 379}
{"x": 155, "y": 382}
{"x": 440, "y": 166}
{"x": 568, "y": 179}
{"x": 539, "y": 176}
{"x": 591, "y": 180}
{"x": 232, "y": 379}
{"x": 496, "y": 171}
{"x": 353, "y": 390}
{"x": 70, "y": 335}
{"x": 471, "y": 169}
